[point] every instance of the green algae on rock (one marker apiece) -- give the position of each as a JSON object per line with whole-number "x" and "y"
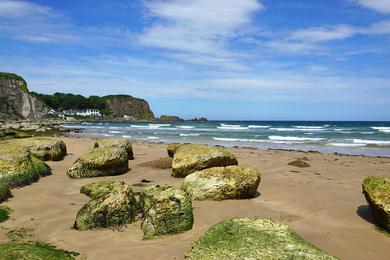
{"x": 299, "y": 163}
{"x": 101, "y": 161}
{"x": 47, "y": 149}
{"x": 34, "y": 251}
{"x": 5, "y": 192}
{"x": 376, "y": 190}
{"x": 190, "y": 158}
{"x": 244, "y": 238}
{"x": 220, "y": 183}
{"x": 165, "y": 210}
{"x": 172, "y": 148}
{"x": 98, "y": 189}
{"x": 18, "y": 167}
{"x": 117, "y": 142}
{"x": 112, "y": 205}
{"x": 4, "y": 213}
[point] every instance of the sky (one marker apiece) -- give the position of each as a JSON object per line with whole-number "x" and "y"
{"x": 222, "y": 59}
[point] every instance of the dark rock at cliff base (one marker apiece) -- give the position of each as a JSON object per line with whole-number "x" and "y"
{"x": 120, "y": 105}
{"x": 16, "y": 101}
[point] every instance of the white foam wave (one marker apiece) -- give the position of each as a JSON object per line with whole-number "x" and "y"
{"x": 281, "y": 129}
{"x": 251, "y": 140}
{"x": 184, "y": 135}
{"x": 376, "y": 142}
{"x": 232, "y": 127}
{"x": 227, "y": 125}
{"x": 380, "y": 128}
{"x": 308, "y": 127}
{"x": 126, "y": 136}
{"x": 259, "y": 126}
{"x": 185, "y": 127}
{"x": 292, "y": 138}
{"x": 116, "y": 132}
{"x": 153, "y": 137}
{"x": 345, "y": 145}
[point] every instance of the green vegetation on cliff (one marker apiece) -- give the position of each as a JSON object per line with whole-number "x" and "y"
{"x": 6, "y": 75}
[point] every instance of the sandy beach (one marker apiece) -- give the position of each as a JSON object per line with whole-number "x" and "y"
{"x": 323, "y": 203}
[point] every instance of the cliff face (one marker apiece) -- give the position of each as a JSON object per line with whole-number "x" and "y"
{"x": 16, "y": 102}
{"x": 127, "y": 105}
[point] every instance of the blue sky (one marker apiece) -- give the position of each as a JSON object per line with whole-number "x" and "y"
{"x": 223, "y": 59}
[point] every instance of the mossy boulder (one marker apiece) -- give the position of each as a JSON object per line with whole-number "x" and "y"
{"x": 299, "y": 163}
{"x": 220, "y": 183}
{"x": 165, "y": 210}
{"x": 172, "y": 148}
{"x": 377, "y": 193}
{"x": 5, "y": 192}
{"x": 244, "y": 238}
{"x": 117, "y": 142}
{"x": 101, "y": 161}
{"x": 48, "y": 149}
{"x": 190, "y": 158}
{"x": 34, "y": 251}
{"x": 98, "y": 189}
{"x": 112, "y": 205}
{"x": 18, "y": 167}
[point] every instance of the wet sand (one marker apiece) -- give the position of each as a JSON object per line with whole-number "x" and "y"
{"x": 323, "y": 203}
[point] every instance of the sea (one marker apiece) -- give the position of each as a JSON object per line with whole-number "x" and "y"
{"x": 353, "y": 138}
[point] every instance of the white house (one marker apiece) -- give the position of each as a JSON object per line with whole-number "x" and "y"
{"x": 88, "y": 112}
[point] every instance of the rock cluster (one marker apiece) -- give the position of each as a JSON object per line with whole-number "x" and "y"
{"x": 377, "y": 193}
{"x": 101, "y": 161}
{"x": 112, "y": 205}
{"x": 18, "y": 166}
{"x": 253, "y": 239}
{"x": 165, "y": 210}
{"x": 48, "y": 149}
{"x": 219, "y": 183}
{"x": 117, "y": 142}
{"x": 190, "y": 158}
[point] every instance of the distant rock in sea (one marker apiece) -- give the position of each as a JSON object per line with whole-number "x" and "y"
{"x": 165, "y": 118}
{"x": 15, "y": 100}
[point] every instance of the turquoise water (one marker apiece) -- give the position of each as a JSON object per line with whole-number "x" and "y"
{"x": 366, "y": 138}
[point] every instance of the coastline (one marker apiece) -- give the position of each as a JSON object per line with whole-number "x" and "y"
{"x": 323, "y": 203}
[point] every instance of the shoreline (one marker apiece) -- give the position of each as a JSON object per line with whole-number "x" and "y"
{"x": 323, "y": 203}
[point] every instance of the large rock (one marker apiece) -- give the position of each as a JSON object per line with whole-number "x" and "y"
{"x": 172, "y": 148}
{"x": 48, "y": 149}
{"x": 15, "y": 100}
{"x": 101, "y": 161}
{"x": 121, "y": 105}
{"x": 377, "y": 193}
{"x": 165, "y": 210}
{"x": 117, "y": 142}
{"x": 253, "y": 239}
{"x": 112, "y": 205}
{"x": 18, "y": 167}
{"x": 220, "y": 183}
{"x": 190, "y": 158}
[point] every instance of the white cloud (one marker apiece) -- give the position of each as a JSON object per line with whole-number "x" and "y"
{"x": 311, "y": 40}
{"x": 382, "y": 6}
{"x": 199, "y": 27}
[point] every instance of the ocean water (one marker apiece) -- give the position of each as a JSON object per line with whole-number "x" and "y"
{"x": 356, "y": 138}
